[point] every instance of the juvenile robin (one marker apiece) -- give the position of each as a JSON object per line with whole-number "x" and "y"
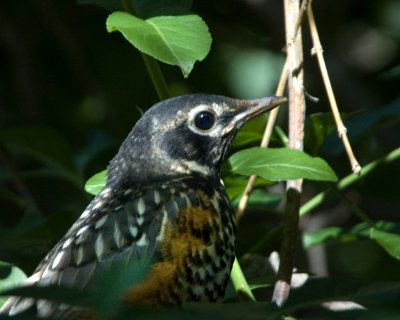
{"x": 163, "y": 202}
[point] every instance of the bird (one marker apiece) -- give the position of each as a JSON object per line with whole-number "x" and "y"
{"x": 163, "y": 202}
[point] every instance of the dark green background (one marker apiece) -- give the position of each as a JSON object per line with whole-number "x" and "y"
{"x": 70, "y": 92}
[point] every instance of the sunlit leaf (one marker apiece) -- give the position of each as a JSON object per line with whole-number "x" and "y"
{"x": 177, "y": 40}
{"x": 318, "y": 237}
{"x": 96, "y": 182}
{"x": 280, "y": 164}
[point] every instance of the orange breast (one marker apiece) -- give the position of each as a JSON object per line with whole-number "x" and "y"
{"x": 187, "y": 252}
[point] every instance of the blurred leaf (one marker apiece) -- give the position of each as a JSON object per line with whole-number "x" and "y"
{"x": 176, "y": 40}
{"x": 71, "y": 296}
{"x": 10, "y": 277}
{"x": 245, "y": 137}
{"x": 96, "y": 182}
{"x": 251, "y": 132}
{"x": 280, "y": 164}
{"x": 317, "y": 127}
{"x": 251, "y": 72}
{"x": 261, "y": 198}
{"x": 364, "y": 124}
{"x": 31, "y": 220}
{"x": 389, "y": 241}
{"x": 319, "y": 237}
{"x": 234, "y": 186}
{"x": 363, "y": 229}
{"x": 41, "y": 142}
{"x": 118, "y": 280}
{"x": 282, "y": 135}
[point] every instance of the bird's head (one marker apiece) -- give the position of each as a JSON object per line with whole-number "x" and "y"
{"x": 186, "y": 135}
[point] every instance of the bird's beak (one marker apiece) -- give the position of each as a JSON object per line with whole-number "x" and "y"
{"x": 248, "y": 109}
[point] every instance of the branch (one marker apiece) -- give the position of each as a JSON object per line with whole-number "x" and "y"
{"x": 296, "y": 135}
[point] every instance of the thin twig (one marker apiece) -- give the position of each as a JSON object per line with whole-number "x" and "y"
{"x": 318, "y": 51}
{"x": 264, "y": 143}
{"x": 296, "y": 137}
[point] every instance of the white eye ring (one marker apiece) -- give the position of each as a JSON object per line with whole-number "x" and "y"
{"x": 195, "y": 123}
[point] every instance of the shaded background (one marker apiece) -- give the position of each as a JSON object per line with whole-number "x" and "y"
{"x": 70, "y": 93}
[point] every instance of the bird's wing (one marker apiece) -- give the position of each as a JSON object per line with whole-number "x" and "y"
{"x": 117, "y": 227}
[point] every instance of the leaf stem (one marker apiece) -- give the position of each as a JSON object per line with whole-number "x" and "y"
{"x": 240, "y": 283}
{"x": 152, "y": 66}
{"x": 157, "y": 77}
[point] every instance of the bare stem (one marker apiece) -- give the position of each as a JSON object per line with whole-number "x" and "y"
{"x": 318, "y": 51}
{"x": 296, "y": 136}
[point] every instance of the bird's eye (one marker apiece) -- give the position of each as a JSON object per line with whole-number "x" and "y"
{"x": 204, "y": 120}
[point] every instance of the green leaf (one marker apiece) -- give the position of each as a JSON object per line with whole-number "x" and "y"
{"x": 318, "y": 237}
{"x": 235, "y": 185}
{"x": 177, "y": 40}
{"x": 10, "y": 277}
{"x": 246, "y": 137}
{"x": 96, "y": 182}
{"x": 388, "y": 241}
{"x": 250, "y": 72}
{"x": 280, "y": 164}
{"x": 262, "y": 199}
